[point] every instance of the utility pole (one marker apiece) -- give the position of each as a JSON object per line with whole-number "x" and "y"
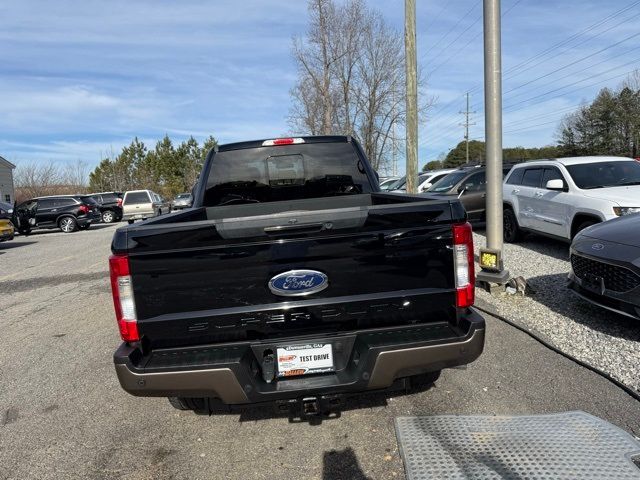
{"x": 394, "y": 142}
{"x": 412, "y": 94}
{"x": 466, "y": 125}
{"x": 493, "y": 273}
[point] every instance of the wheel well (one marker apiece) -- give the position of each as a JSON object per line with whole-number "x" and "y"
{"x": 580, "y": 218}
{"x": 507, "y": 206}
{"x": 64, "y": 216}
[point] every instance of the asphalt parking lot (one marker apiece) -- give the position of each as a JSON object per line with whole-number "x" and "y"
{"x": 63, "y": 414}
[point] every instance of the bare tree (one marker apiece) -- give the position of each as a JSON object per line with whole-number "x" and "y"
{"x": 35, "y": 179}
{"x": 350, "y": 77}
{"x": 381, "y": 102}
{"x": 74, "y": 176}
{"x": 40, "y": 179}
{"x": 315, "y": 58}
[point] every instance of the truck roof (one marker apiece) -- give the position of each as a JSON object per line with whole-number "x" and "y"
{"x": 308, "y": 139}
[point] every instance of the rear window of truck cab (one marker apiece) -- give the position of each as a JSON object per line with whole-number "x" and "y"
{"x": 280, "y": 173}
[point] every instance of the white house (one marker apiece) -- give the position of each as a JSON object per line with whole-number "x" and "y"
{"x": 7, "y": 193}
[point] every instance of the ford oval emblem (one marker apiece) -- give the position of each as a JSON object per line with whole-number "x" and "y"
{"x": 298, "y": 283}
{"x": 597, "y": 246}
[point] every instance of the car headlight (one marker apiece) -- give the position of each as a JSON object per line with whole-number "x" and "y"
{"x": 619, "y": 211}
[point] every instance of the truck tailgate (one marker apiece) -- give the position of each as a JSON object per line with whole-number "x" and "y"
{"x": 194, "y": 283}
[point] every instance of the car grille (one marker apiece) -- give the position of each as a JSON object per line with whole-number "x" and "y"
{"x": 617, "y": 279}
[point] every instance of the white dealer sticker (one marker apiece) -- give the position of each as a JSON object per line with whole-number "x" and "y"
{"x": 305, "y": 359}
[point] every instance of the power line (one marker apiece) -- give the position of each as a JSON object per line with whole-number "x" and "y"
{"x": 575, "y": 83}
{"x": 562, "y": 52}
{"x": 473, "y": 24}
{"x": 575, "y": 62}
{"x": 531, "y": 127}
{"x": 452, "y": 28}
{"x": 580, "y": 88}
{"x": 467, "y": 44}
{"x": 434, "y": 19}
{"x": 574, "y": 36}
{"x": 471, "y": 40}
{"x": 507, "y": 107}
{"x": 547, "y": 50}
{"x": 571, "y": 74}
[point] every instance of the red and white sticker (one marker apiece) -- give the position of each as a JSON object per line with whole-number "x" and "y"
{"x": 305, "y": 359}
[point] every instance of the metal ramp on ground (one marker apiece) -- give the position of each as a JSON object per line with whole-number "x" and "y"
{"x": 572, "y": 445}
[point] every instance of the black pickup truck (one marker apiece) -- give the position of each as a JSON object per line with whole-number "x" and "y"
{"x": 293, "y": 281}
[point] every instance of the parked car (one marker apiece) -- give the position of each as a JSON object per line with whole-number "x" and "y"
{"x": 605, "y": 265}
{"x": 292, "y": 281}
{"x": 164, "y": 204}
{"x": 6, "y": 208}
{"x": 558, "y": 198}
{"x": 468, "y": 183}
{"x": 66, "y": 212}
{"x": 387, "y": 183}
{"x": 181, "y": 201}
{"x": 425, "y": 180}
{"x": 141, "y": 204}
{"x": 110, "y": 205}
{"x": 6, "y": 227}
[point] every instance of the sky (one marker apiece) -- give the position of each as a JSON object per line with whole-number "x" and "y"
{"x": 79, "y": 80}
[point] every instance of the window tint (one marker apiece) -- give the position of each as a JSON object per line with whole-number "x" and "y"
{"x": 531, "y": 177}
{"x": 516, "y": 176}
{"x": 551, "y": 173}
{"x": 447, "y": 182}
{"x": 269, "y": 174}
{"x": 133, "y": 198}
{"x": 45, "y": 203}
{"x": 26, "y": 206}
{"x": 475, "y": 182}
{"x": 437, "y": 177}
{"x": 89, "y": 200}
{"x": 605, "y": 174}
{"x": 64, "y": 202}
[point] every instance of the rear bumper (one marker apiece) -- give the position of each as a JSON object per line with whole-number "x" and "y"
{"x": 89, "y": 219}
{"x": 6, "y": 235}
{"x": 365, "y": 360}
{"x": 138, "y": 216}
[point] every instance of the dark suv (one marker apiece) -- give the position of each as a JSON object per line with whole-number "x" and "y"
{"x": 110, "y": 204}
{"x": 469, "y": 184}
{"x": 66, "y": 212}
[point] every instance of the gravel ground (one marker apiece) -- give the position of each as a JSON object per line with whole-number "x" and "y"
{"x": 600, "y": 338}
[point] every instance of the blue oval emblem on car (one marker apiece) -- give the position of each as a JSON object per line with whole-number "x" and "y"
{"x": 298, "y": 282}
{"x": 597, "y": 246}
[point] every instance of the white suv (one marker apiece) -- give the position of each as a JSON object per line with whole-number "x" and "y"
{"x": 560, "y": 197}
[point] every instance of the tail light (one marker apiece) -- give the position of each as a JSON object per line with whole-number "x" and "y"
{"x": 123, "y": 300}
{"x": 464, "y": 264}
{"x": 119, "y": 202}
{"x": 84, "y": 208}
